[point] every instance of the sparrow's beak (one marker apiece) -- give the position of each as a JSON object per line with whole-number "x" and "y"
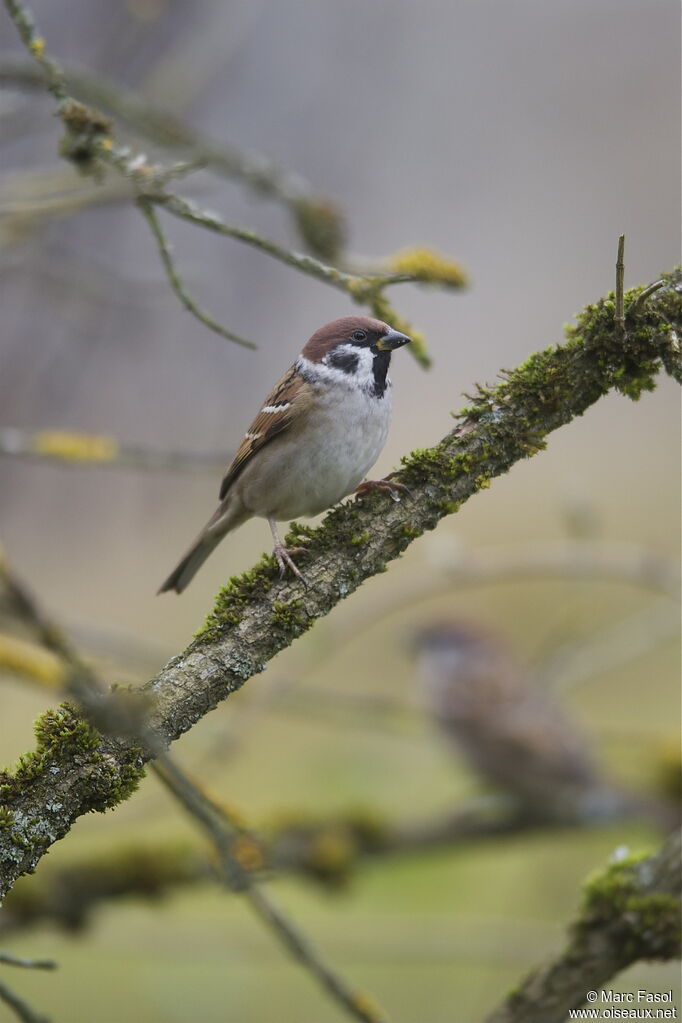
{"x": 392, "y": 340}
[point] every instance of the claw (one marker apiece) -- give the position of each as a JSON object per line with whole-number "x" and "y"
{"x": 386, "y": 486}
{"x": 284, "y": 554}
{"x": 285, "y": 561}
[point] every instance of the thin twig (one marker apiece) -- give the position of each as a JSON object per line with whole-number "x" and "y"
{"x": 222, "y": 832}
{"x": 89, "y": 144}
{"x": 360, "y": 287}
{"x": 176, "y": 282}
{"x": 578, "y": 661}
{"x": 585, "y": 560}
{"x": 644, "y": 295}
{"x": 165, "y": 129}
{"x": 619, "y": 315}
{"x": 26, "y": 608}
{"x": 28, "y": 964}
{"x": 366, "y": 837}
{"x": 23, "y": 1011}
{"x": 71, "y": 448}
{"x": 35, "y": 44}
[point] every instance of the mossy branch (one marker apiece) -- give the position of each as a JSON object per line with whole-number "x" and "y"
{"x": 631, "y": 911}
{"x": 326, "y": 852}
{"x": 76, "y": 770}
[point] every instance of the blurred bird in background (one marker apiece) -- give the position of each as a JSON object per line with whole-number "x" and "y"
{"x": 513, "y": 734}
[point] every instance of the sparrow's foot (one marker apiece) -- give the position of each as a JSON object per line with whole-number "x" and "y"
{"x": 387, "y": 486}
{"x": 285, "y": 556}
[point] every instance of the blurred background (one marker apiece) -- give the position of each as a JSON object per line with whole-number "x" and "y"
{"x": 519, "y": 139}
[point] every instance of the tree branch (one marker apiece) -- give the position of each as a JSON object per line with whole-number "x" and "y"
{"x": 175, "y": 280}
{"x": 317, "y": 218}
{"x": 69, "y": 447}
{"x": 88, "y": 143}
{"x": 75, "y": 770}
{"x": 327, "y": 853}
{"x": 225, "y": 836}
{"x": 21, "y": 1009}
{"x": 630, "y": 912}
{"x": 26, "y": 964}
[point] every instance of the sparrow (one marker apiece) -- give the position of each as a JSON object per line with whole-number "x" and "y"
{"x": 511, "y": 731}
{"x": 317, "y": 434}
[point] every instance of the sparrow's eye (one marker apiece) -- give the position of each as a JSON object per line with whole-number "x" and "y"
{"x": 359, "y": 335}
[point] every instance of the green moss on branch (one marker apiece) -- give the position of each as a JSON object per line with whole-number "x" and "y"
{"x": 73, "y": 770}
{"x": 630, "y": 911}
{"x": 642, "y": 924}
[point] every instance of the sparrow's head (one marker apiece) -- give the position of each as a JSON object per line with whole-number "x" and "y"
{"x": 359, "y": 347}
{"x": 460, "y": 650}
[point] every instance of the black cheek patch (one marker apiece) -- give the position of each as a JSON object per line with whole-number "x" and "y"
{"x": 343, "y": 360}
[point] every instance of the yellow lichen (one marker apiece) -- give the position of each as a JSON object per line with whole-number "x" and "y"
{"x": 331, "y": 851}
{"x": 77, "y": 447}
{"x": 366, "y": 1005}
{"x": 20, "y": 657}
{"x": 37, "y": 46}
{"x": 429, "y": 267}
{"x": 248, "y": 853}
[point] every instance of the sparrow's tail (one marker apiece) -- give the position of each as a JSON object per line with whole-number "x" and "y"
{"x": 222, "y": 522}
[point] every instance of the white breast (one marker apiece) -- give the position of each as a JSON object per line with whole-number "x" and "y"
{"x": 305, "y": 471}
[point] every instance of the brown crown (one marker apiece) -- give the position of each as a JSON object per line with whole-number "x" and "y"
{"x": 338, "y": 331}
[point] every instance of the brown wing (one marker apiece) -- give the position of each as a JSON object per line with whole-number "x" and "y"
{"x": 280, "y": 409}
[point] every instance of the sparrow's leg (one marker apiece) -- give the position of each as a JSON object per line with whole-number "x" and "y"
{"x": 284, "y": 554}
{"x": 387, "y": 486}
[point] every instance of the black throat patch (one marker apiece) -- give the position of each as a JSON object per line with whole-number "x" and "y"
{"x": 382, "y": 361}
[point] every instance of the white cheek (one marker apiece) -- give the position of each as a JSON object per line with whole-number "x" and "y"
{"x": 322, "y": 373}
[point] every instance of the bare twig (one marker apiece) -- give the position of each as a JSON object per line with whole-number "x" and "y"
{"x": 89, "y": 145}
{"x": 175, "y": 280}
{"x": 71, "y": 448}
{"x": 644, "y": 296}
{"x": 362, "y": 288}
{"x": 26, "y": 608}
{"x": 165, "y": 129}
{"x": 21, "y": 1009}
{"x": 619, "y": 315}
{"x": 577, "y": 661}
{"x": 27, "y": 964}
{"x": 222, "y": 832}
{"x": 587, "y": 560}
{"x": 578, "y": 559}
{"x": 35, "y": 44}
